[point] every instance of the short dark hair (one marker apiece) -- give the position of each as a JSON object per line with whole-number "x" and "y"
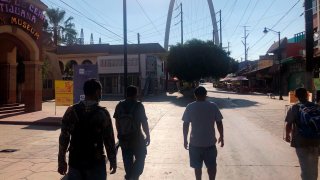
{"x": 200, "y": 91}
{"x": 301, "y": 93}
{"x": 132, "y": 91}
{"x": 91, "y": 86}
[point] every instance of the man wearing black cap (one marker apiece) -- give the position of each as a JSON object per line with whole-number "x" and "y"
{"x": 202, "y": 115}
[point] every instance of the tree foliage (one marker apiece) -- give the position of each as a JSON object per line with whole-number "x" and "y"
{"x": 198, "y": 59}
{"x": 63, "y": 31}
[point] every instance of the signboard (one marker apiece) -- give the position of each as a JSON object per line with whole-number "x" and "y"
{"x": 24, "y": 15}
{"x": 293, "y": 99}
{"x": 63, "y": 93}
{"x": 316, "y": 82}
{"x": 81, "y": 74}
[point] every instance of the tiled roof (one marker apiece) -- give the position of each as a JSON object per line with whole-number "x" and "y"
{"x": 110, "y": 49}
{"x": 275, "y": 46}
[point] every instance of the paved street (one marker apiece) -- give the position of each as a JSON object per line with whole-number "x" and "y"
{"x": 254, "y": 148}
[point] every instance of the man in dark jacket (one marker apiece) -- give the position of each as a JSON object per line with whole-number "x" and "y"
{"x": 130, "y": 116}
{"x": 307, "y": 149}
{"x": 86, "y": 129}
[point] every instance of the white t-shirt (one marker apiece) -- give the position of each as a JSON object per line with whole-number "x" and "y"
{"x": 202, "y": 115}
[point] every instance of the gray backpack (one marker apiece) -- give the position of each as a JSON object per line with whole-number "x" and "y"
{"x": 128, "y": 127}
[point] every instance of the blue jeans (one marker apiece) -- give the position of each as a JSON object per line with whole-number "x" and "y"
{"x": 133, "y": 161}
{"x": 97, "y": 172}
{"x": 308, "y": 160}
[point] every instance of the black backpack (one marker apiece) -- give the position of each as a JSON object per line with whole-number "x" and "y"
{"x": 309, "y": 121}
{"x": 128, "y": 127}
{"x": 86, "y": 146}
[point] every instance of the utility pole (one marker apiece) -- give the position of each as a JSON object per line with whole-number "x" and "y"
{"x": 245, "y": 43}
{"x": 309, "y": 35}
{"x": 139, "y": 61}
{"x": 181, "y": 15}
{"x": 220, "y": 29}
{"x": 125, "y": 49}
{"x": 180, "y": 21}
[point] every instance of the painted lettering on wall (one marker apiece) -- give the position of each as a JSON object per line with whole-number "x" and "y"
{"x": 25, "y": 26}
{"x": 23, "y": 14}
{"x": 22, "y": 9}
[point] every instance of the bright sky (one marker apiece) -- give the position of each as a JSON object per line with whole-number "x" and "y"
{"x": 148, "y": 17}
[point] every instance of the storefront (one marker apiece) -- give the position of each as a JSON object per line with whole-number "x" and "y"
{"x": 20, "y": 53}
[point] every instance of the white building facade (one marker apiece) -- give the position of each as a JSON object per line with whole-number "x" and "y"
{"x": 147, "y": 73}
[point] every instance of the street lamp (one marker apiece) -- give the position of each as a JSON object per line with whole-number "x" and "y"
{"x": 266, "y": 30}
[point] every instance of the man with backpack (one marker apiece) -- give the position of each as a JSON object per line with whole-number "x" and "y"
{"x": 87, "y": 128}
{"x": 202, "y": 115}
{"x": 130, "y": 116}
{"x": 302, "y": 131}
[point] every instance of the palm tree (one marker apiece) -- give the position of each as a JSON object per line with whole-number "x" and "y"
{"x": 63, "y": 31}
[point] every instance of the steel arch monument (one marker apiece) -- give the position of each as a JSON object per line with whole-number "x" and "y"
{"x": 169, "y": 17}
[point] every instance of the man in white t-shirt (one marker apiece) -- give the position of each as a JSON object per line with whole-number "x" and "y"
{"x": 202, "y": 115}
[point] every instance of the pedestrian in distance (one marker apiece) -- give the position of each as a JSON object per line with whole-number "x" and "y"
{"x": 130, "y": 116}
{"x": 302, "y": 131}
{"x": 87, "y": 128}
{"x": 202, "y": 115}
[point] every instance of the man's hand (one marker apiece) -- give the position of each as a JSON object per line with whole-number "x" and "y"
{"x": 62, "y": 168}
{"x": 113, "y": 168}
{"x": 147, "y": 140}
{"x": 287, "y": 138}
{"x": 221, "y": 141}
{"x": 186, "y": 145}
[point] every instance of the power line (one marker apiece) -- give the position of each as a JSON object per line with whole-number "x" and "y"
{"x": 253, "y": 9}
{"x": 80, "y": 22}
{"x": 144, "y": 12}
{"x": 245, "y": 11}
{"x": 92, "y": 20}
{"x": 285, "y": 14}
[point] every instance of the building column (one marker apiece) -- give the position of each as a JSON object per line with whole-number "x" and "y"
{"x": 12, "y": 98}
{"x": 33, "y": 87}
{"x": 4, "y": 79}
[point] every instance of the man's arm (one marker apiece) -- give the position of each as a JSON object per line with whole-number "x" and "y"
{"x": 145, "y": 127}
{"x": 109, "y": 143}
{"x": 144, "y": 122}
{"x": 64, "y": 140}
{"x": 220, "y": 129}
{"x": 289, "y": 123}
{"x": 288, "y": 131}
{"x": 185, "y": 134}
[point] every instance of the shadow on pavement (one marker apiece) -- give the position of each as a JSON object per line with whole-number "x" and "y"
{"x": 48, "y": 121}
{"x": 175, "y": 98}
{"x": 42, "y": 128}
{"x": 228, "y": 103}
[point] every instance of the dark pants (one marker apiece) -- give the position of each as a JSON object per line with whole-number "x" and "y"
{"x": 96, "y": 172}
{"x": 133, "y": 160}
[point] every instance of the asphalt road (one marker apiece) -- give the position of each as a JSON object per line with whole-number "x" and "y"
{"x": 254, "y": 148}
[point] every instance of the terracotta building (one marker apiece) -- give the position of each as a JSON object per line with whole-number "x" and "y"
{"x": 21, "y": 54}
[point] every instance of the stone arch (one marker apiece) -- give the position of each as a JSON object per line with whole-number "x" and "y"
{"x": 169, "y": 17}
{"x": 25, "y": 38}
{"x": 61, "y": 66}
{"x": 20, "y": 63}
{"x": 87, "y": 61}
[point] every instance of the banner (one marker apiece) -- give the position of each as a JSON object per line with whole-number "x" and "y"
{"x": 63, "y": 93}
{"x": 82, "y": 73}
